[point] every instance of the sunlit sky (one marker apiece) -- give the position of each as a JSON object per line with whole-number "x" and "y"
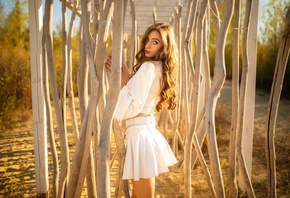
{"x": 57, "y": 11}
{"x": 8, "y": 4}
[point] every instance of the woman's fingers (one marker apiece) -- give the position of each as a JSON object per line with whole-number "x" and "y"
{"x": 108, "y": 63}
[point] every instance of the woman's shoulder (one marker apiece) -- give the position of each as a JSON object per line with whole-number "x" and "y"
{"x": 152, "y": 64}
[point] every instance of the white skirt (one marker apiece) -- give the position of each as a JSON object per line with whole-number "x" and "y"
{"x": 148, "y": 153}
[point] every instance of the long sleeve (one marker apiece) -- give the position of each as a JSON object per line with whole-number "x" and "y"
{"x": 133, "y": 96}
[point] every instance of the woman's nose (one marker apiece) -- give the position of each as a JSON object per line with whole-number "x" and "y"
{"x": 148, "y": 45}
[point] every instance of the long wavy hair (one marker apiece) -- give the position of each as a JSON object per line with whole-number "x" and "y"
{"x": 168, "y": 55}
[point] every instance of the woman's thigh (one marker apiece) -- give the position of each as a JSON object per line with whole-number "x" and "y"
{"x": 144, "y": 188}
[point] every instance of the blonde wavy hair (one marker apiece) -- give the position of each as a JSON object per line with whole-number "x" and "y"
{"x": 168, "y": 55}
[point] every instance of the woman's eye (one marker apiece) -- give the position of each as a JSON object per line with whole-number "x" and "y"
{"x": 155, "y": 42}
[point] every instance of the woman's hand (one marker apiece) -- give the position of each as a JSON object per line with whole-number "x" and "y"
{"x": 108, "y": 63}
{"x": 125, "y": 75}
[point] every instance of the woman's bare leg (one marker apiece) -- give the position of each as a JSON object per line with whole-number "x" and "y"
{"x": 144, "y": 188}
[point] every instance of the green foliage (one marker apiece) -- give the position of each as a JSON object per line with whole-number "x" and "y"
{"x": 15, "y": 94}
{"x": 268, "y": 46}
{"x": 274, "y": 13}
{"x": 15, "y": 91}
{"x": 15, "y": 80}
{"x": 266, "y": 60}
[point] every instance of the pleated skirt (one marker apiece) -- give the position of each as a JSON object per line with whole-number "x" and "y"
{"x": 148, "y": 153}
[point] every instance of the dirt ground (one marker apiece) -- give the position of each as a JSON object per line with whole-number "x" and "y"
{"x": 17, "y": 177}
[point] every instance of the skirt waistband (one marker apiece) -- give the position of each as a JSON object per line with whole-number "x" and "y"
{"x": 142, "y": 120}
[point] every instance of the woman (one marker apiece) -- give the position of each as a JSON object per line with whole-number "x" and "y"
{"x": 149, "y": 89}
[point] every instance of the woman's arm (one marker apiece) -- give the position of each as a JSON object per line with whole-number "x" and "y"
{"x": 125, "y": 75}
{"x": 133, "y": 96}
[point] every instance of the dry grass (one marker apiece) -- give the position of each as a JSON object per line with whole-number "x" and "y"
{"x": 17, "y": 159}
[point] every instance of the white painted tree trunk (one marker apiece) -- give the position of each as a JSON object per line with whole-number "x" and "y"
{"x": 134, "y": 37}
{"x": 82, "y": 77}
{"x": 38, "y": 101}
{"x": 64, "y": 63}
{"x": 47, "y": 37}
{"x": 184, "y": 117}
{"x": 91, "y": 187}
{"x": 249, "y": 111}
{"x": 93, "y": 53}
{"x": 218, "y": 81}
{"x": 121, "y": 185}
{"x": 70, "y": 91}
{"x": 277, "y": 84}
{"x": 154, "y": 14}
{"x": 82, "y": 153}
{"x": 103, "y": 154}
{"x": 241, "y": 115}
{"x": 50, "y": 127}
{"x": 191, "y": 135}
{"x": 233, "y": 188}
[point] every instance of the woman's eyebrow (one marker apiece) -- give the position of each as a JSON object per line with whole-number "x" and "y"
{"x": 155, "y": 39}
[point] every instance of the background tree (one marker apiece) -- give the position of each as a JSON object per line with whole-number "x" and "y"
{"x": 57, "y": 52}
{"x": 15, "y": 94}
{"x": 275, "y": 13}
{"x": 15, "y": 91}
{"x": 2, "y": 15}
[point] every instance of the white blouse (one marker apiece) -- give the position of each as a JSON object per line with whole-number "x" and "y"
{"x": 141, "y": 93}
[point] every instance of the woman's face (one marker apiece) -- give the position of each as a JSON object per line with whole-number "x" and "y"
{"x": 153, "y": 44}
